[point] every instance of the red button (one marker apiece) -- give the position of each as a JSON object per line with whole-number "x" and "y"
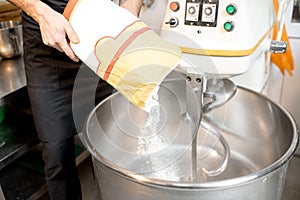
{"x": 174, "y": 6}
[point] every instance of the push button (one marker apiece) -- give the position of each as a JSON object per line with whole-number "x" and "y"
{"x": 208, "y": 11}
{"x": 192, "y": 10}
{"x": 174, "y": 6}
{"x": 231, "y": 9}
{"x": 228, "y": 26}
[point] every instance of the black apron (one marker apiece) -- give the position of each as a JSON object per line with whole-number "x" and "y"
{"x": 50, "y": 78}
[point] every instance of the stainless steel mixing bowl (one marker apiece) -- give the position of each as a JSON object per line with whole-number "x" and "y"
{"x": 10, "y": 39}
{"x": 135, "y": 158}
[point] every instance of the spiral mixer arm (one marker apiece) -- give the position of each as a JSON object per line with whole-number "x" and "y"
{"x": 221, "y": 39}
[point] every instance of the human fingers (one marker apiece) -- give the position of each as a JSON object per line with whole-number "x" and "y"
{"x": 58, "y": 41}
{"x": 65, "y": 47}
{"x": 71, "y": 34}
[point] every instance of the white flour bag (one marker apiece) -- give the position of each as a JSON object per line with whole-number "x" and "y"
{"x": 120, "y": 48}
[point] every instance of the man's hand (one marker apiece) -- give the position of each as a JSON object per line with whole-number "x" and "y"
{"x": 56, "y": 31}
{"x": 55, "y": 28}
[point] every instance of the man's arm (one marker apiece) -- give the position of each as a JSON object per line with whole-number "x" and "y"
{"x": 55, "y": 29}
{"x": 134, "y": 6}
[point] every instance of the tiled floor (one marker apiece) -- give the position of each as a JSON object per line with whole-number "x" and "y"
{"x": 89, "y": 190}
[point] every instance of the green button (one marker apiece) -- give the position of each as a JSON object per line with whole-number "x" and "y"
{"x": 231, "y": 9}
{"x": 228, "y": 26}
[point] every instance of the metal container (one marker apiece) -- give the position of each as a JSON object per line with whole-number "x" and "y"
{"x": 262, "y": 137}
{"x": 10, "y": 39}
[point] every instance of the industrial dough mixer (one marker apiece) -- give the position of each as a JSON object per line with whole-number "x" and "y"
{"x": 205, "y": 138}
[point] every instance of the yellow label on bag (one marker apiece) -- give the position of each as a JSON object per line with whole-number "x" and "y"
{"x": 127, "y": 54}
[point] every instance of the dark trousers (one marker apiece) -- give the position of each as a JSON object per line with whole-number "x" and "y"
{"x": 50, "y": 79}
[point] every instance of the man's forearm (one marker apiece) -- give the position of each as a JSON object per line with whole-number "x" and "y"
{"x": 137, "y": 3}
{"x": 134, "y": 6}
{"x": 56, "y": 31}
{"x": 34, "y": 8}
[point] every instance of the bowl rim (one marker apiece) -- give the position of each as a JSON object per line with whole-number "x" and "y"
{"x": 226, "y": 183}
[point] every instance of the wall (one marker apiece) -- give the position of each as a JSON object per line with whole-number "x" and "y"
{"x": 290, "y": 97}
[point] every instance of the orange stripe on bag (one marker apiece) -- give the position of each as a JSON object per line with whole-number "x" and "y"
{"x": 121, "y": 50}
{"x": 69, "y": 8}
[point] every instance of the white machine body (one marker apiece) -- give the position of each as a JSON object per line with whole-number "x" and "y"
{"x": 223, "y": 37}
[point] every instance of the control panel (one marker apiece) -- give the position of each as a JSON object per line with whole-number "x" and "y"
{"x": 201, "y": 12}
{"x": 192, "y": 12}
{"x": 231, "y": 34}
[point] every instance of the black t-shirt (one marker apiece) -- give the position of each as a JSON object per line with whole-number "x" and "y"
{"x": 57, "y": 5}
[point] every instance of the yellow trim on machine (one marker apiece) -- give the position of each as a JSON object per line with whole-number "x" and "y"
{"x": 223, "y": 53}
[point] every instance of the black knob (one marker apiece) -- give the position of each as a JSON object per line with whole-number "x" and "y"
{"x": 173, "y": 22}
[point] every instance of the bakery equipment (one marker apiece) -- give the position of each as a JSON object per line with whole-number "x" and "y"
{"x": 205, "y": 138}
{"x": 10, "y": 39}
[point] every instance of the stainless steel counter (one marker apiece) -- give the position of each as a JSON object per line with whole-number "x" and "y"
{"x": 12, "y": 78}
{"x": 17, "y": 132}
